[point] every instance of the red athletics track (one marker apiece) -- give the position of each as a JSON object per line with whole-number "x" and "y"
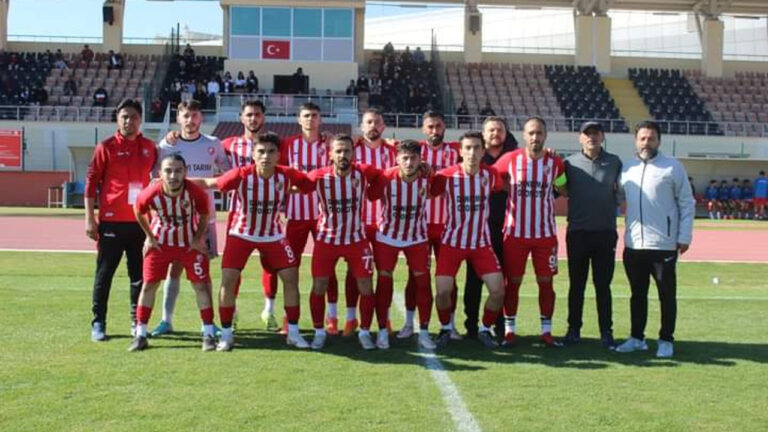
{"x": 68, "y": 234}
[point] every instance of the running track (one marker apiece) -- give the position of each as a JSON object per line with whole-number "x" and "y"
{"x": 68, "y": 234}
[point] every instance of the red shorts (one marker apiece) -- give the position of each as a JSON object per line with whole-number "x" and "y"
{"x": 483, "y": 260}
{"x": 156, "y": 263}
{"x": 275, "y": 255}
{"x": 358, "y": 256}
{"x": 760, "y": 201}
{"x": 297, "y": 232}
{"x": 416, "y": 255}
{"x": 543, "y": 251}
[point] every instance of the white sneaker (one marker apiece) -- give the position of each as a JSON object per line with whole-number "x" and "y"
{"x": 318, "y": 342}
{"x": 631, "y": 345}
{"x": 134, "y": 329}
{"x": 405, "y": 332}
{"x": 365, "y": 340}
{"x": 226, "y": 342}
{"x": 455, "y": 335}
{"x": 665, "y": 350}
{"x": 382, "y": 339}
{"x": 425, "y": 341}
{"x": 295, "y": 339}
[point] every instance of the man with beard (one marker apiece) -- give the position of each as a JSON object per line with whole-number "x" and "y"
{"x": 372, "y": 150}
{"x": 204, "y": 157}
{"x": 439, "y": 155}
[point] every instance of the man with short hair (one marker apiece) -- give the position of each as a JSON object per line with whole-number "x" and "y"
{"x": 119, "y": 170}
{"x": 467, "y": 188}
{"x": 532, "y": 174}
{"x": 204, "y": 157}
{"x": 403, "y": 192}
{"x": 592, "y": 190}
{"x": 761, "y": 195}
{"x": 261, "y": 190}
{"x": 176, "y": 236}
{"x": 438, "y": 154}
{"x": 659, "y": 221}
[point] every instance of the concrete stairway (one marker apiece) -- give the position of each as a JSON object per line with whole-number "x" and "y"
{"x": 628, "y": 101}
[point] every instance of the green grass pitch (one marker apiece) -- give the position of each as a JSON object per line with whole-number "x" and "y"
{"x": 54, "y": 379}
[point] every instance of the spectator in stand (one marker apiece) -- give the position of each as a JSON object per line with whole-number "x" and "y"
{"x": 487, "y": 110}
{"x": 418, "y": 56}
{"x": 70, "y": 87}
{"x": 41, "y": 96}
{"x": 201, "y": 93}
{"x": 374, "y": 97}
{"x": 86, "y": 54}
{"x": 297, "y": 82}
{"x": 115, "y": 60}
{"x": 351, "y": 88}
{"x": 60, "y": 63}
{"x": 240, "y": 81}
{"x": 189, "y": 53}
{"x": 100, "y": 97}
{"x": 363, "y": 85}
{"x": 228, "y": 86}
{"x": 462, "y": 113}
{"x": 252, "y": 83}
{"x": 157, "y": 109}
{"x": 213, "y": 87}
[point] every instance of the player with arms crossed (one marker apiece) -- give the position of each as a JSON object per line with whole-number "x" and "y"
{"x": 532, "y": 173}
{"x": 466, "y": 188}
{"x": 260, "y": 190}
{"x": 176, "y": 235}
{"x": 403, "y": 192}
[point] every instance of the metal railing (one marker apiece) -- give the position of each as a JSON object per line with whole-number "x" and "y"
{"x": 56, "y": 113}
{"x": 287, "y": 105}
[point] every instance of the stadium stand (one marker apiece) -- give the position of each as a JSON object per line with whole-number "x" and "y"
{"x": 739, "y": 105}
{"x": 672, "y": 101}
{"x": 188, "y": 77}
{"x": 408, "y": 82}
{"x": 228, "y": 129}
{"x": 583, "y": 96}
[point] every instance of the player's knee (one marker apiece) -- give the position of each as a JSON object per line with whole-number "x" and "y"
{"x": 543, "y": 279}
{"x": 319, "y": 285}
{"x": 517, "y": 280}
{"x": 385, "y": 273}
{"x": 364, "y": 286}
{"x": 289, "y": 275}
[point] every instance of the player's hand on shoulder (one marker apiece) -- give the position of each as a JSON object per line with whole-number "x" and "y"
{"x": 426, "y": 169}
{"x": 149, "y": 244}
{"x": 551, "y": 152}
{"x": 172, "y": 137}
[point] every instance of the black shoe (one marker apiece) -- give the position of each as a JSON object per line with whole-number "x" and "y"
{"x": 487, "y": 339}
{"x": 572, "y": 337}
{"x": 139, "y": 344}
{"x": 471, "y": 333}
{"x": 606, "y": 339}
{"x": 442, "y": 338}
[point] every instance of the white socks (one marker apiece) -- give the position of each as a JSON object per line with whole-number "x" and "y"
{"x": 170, "y": 294}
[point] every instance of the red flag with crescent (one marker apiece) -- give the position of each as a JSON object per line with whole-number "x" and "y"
{"x": 272, "y": 49}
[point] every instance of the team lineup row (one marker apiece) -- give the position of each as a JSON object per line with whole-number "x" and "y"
{"x": 366, "y": 200}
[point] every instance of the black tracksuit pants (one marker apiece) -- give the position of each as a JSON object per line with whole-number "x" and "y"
{"x": 640, "y": 266}
{"x": 473, "y": 293}
{"x": 597, "y": 248}
{"x": 114, "y": 239}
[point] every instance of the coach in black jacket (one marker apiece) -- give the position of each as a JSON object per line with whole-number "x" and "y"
{"x": 498, "y": 141}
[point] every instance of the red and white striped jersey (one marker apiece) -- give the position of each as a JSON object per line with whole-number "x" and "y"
{"x": 441, "y": 157}
{"x": 239, "y": 150}
{"x": 258, "y": 201}
{"x": 341, "y": 202}
{"x": 531, "y": 202}
{"x": 381, "y": 157}
{"x": 403, "y": 217}
{"x": 297, "y": 153}
{"x": 175, "y": 219}
{"x": 467, "y": 204}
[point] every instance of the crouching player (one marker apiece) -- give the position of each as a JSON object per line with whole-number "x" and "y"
{"x": 403, "y": 191}
{"x": 260, "y": 193}
{"x": 176, "y": 234}
{"x": 467, "y": 188}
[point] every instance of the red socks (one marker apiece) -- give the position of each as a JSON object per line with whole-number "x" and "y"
{"x": 333, "y": 290}
{"x": 511, "y": 298}
{"x": 410, "y": 292}
{"x": 424, "y": 298}
{"x": 225, "y": 314}
{"x": 546, "y": 299}
{"x": 292, "y": 313}
{"x": 367, "y": 306}
{"x": 269, "y": 284}
{"x": 350, "y": 292}
{"x": 489, "y": 317}
{"x": 317, "y": 309}
{"x": 383, "y": 299}
{"x": 444, "y": 315}
{"x": 142, "y": 314}
{"x": 207, "y": 315}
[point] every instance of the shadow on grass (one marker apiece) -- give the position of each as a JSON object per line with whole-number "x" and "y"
{"x": 459, "y": 355}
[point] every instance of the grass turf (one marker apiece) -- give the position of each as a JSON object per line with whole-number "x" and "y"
{"x": 54, "y": 378}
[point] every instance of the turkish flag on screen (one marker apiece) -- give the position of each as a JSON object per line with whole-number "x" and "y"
{"x": 271, "y": 49}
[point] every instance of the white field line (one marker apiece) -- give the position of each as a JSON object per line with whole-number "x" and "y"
{"x": 463, "y": 420}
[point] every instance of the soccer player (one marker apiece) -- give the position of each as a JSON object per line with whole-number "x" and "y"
{"x": 467, "y": 188}
{"x": 403, "y": 191}
{"x": 747, "y": 198}
{"x": 119, "y": 170}
{"x": 761, "y": 195}
{"x": 734, "y": 199}
{"x": 340, "y": 190}
{"x": 532, "y": 174}
{"x": 439, "y": 155}
{"x": 176, "y": 236}
{"x": 710, "y": 194}
{"x": 261, "y": 191}
{"x": 204, "y": 157}
{"x": 371, "y": 149}
{"x": 724, "y": 197}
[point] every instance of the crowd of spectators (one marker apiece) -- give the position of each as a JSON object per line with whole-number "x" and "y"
{"x": 408, "y": 82}
{"x": 22, "y": 77}
{"x": 200, "y": 78}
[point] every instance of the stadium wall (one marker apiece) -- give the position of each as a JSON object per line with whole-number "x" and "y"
{"x": 29, "y": 188}
{"x": 334, "y": 76}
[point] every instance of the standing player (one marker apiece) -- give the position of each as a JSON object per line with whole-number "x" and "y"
{"x": 734, "y": 199}
{"x": 532, "y": 174}
{"x": 260, "y": 190}
{"x": 176, "y": 236}
{"x": 372, "y": 150}
{"x": 761, "y": 195}
{"x": 747, "y": 198}
{"x": 204, "y": 157}
{"x": 119, "y": 170}
{"x": 439, "y": 155}
{"x": 710, "y": 194}
{"x": 340, "y": 234}
{"x": 403, "y": 191}
{"x": 467, "y": 188}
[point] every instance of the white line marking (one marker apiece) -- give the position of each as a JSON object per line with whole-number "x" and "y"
{"x": 463, "y": 420}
